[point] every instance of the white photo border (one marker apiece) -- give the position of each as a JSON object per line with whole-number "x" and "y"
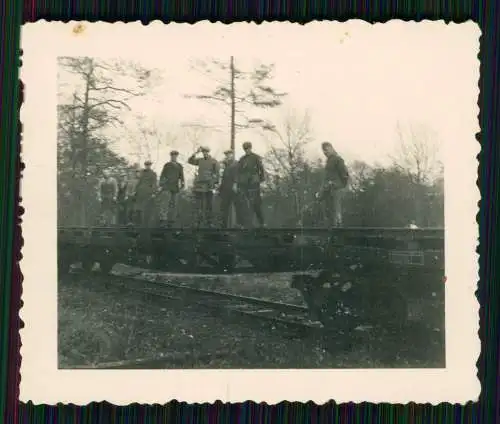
{"x": 43, "y": 382}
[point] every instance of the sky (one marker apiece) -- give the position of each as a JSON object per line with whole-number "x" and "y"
{"x": 356, "y": 81}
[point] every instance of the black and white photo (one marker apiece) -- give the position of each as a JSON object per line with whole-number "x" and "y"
{"x": 294, "y": 201}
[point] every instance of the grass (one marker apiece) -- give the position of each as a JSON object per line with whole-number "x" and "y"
{"x": 98, "y": 324}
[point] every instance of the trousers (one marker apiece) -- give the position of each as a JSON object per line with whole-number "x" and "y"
{"x": 167, "y": 201}
{"x": 230, "y": 199}
{"x": 251, "y": 201}
{"x": 108, "y": 212}
{"x": 203, "y": 207}
{"x": 332, "y": 207}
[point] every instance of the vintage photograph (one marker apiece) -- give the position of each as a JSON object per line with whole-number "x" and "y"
{"x": 221, "y": 216}
{"x": 276, "y": 206}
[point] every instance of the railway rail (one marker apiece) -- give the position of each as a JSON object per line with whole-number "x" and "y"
{"x": 291, "y": 316}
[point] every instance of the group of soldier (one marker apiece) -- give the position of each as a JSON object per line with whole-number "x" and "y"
{"x": 131, "y": 200}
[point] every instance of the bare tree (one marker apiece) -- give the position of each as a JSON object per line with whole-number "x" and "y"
{"x": 150, "y": 139}
{"x": 103, "y": 91}
{"x": 417, "y": 153}
{"x": 100, "y": 99}
{"x": 259, "y": 94}
{"x": 286, "y": 157}
{"x": 194, "y": 135}
{"x": 417, "y": 157}
{"x": 287, "y": 144}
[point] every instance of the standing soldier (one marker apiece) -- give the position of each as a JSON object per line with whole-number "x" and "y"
{"x": 131, "y": 188}
{"x": 122, "y": 200}
{"x": 144, "y": 194}
{"x": 336, "y": 178}
{"x": 205, "y": 183}
{"x": 250, "y": 175}
{"x": 227, "y": 190}
{"x": 171, "y": 182}
{"x": 107, "y": 192}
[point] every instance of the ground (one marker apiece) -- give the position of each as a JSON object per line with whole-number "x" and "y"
{"x": 100, "y": 324}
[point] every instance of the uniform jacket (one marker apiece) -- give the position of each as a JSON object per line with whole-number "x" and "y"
{"x": 229, "y": 176}
{"x": 131, "y": 187}
{"x": 122, "y": 191}
{"x": 146, "y": 186}
{"x": 171, "y": 175}
{"x": 208, "y": 173}
{"x": 108, "y": 188}
{"x": 336, "y": 173}
{"x": 250, "y": 171}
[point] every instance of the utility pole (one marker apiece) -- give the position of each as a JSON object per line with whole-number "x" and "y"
{"x": 233, "y": 105}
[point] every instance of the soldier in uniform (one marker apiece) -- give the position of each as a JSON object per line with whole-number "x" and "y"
{"x": 107, "y": 193}
{"x": 122, "y": 200}
{"x": 250, "y": 175}
{"x": 130, "y": 194}
{"x": 228, "y": 190}
{"x": 205, "y": 183}
{"x": 145, "y": 191}
{"x": 171, "y": 182}
{"x": 336, "y": 178}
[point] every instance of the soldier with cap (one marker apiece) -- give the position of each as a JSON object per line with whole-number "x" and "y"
{"x": 133, "y": 180}
{"x": 228, "y": 190}
{"x": 122, "y": 199}
{"x": 250, "y": 175}
{"x": 335, "y": 181}
{"x": 144, "y": 194}
{"x": 107, "y": 193}
{"x": 171, "y": 182}
{"x": 205, "y": 182}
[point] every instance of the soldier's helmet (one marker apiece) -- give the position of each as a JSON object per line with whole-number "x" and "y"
{"x": 247, "y": 145}
{"x": 174, "y": 153}
{"x": 205, "y": 149}
{"x": 148, "y": 162}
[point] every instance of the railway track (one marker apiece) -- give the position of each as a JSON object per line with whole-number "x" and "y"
{"x": 286, "y": 320}
{"x": 288, "y": 316}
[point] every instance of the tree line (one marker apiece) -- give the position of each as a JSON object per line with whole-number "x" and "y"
{"x": 409, "y": 189}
